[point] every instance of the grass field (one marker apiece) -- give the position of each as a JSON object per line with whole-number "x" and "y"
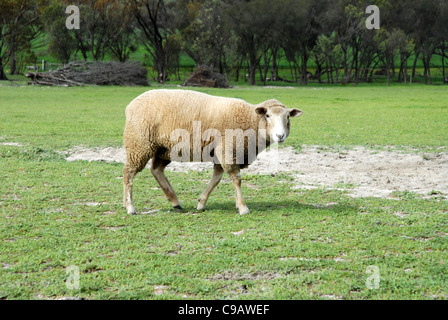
{"x": 295, "y": 243}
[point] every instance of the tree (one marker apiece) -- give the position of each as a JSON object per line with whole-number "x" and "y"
{"x": 402, "y": 15}
{"x": 322, "y": 52}
{"x": 5, "y": 14}
{"x": 330, "y": 53}
{"x": 205, "y": 35}
{"x": 154, "y": 20}
{"x": 250, "y": 21}
{"x": 441, "y": 34}
{"x": 61, "y": 42}
{"x": 96, "y": 27}
{"x": 405, "y": 49}
{"x": 425, "y": 33}
{"x": 302, "y": 25}
{"x": 18, "y": 26}
{"x": 121, "y": 33}
{"x": 294, "y": 24}
{"x": 390, "y": 44}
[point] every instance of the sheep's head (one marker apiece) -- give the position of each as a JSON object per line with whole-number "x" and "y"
{"x": 277, "y": 117}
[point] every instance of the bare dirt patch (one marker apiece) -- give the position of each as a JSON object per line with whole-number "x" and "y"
{"x": 162, "y": 289}
{"x": 362, "y": 172}
{"x": 16, "y": 144}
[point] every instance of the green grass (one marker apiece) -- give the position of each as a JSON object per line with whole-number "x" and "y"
{"x": 369, "y": 115}
{"x": 296, "y": 243}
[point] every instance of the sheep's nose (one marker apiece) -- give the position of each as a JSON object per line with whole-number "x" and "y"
{"x": 281, "y": 136}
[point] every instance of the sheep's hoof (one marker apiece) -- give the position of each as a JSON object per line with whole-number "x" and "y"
{"x": 130, "y": 209}
{"x": 178, "y": 208}
{"x": 244, "y": 210}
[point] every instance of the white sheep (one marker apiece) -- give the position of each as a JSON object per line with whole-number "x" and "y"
{"x": 157, "y": 118}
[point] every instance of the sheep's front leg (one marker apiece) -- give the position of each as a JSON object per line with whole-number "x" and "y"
{"x": 157, "y": 167}
{"x": 235, "y": 175}
{"x": 128, "y": 175}
{"x": 135, "y": 162}
{"x": 217, "y": 175}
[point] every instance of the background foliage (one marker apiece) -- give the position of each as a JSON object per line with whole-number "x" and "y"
{"x": 257, "y": 40}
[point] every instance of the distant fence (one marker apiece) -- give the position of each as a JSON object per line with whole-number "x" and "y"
{"x": 45, "y": 66}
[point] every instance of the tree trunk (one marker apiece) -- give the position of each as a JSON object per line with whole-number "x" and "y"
{"x": 221, "y": 64}
{"x": 237, "y": 72}
{"x": 12, "y": 59}
{"x": 304, "y": 77}
{"x": 443, "y": 64}
{"x": 2, "y": 73}
{"x": 401, "y": 70}
{"x": 345, "y": 66}
{"x": 160, "y": 60}
{"x": 296, "y": 67}
{"x": 245, "y": 71}
{"x": 253, "y": 63}
{"x": 417, "y": 53}
{"x": 274, "y": 65}
{"x": 81, "y": 46}
{"x": 318, "y": 73}
{"x": 252, "y": 69}
{"x": 290, "y": 69}
{"x": 405, "y": 71}
{"x": 388, "y": 76}
{"x": 265, "y": 70}
{"x": 355, "y": 57}
{"x": 331, "y": 71}
{"x": 426, "y": 64}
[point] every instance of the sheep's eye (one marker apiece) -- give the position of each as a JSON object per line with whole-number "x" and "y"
{"x": 267, "y": 116}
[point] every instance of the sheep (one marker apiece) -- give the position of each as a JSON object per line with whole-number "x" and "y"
{"x": 156, "y": 120}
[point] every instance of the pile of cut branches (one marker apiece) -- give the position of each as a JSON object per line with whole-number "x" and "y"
{"x": 204, "y": 76}
{"x": 79, "y": 73}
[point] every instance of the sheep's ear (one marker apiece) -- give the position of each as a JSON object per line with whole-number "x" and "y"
{"x": 295, "y": 112}
{"x": 261, "y": 111}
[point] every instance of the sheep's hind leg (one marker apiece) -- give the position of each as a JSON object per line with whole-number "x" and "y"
{"x": 235, "y": 175}
{"x": 134, "y": 164}
{"x": 217, "y": 175}
{"x": 157, "y": 167}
